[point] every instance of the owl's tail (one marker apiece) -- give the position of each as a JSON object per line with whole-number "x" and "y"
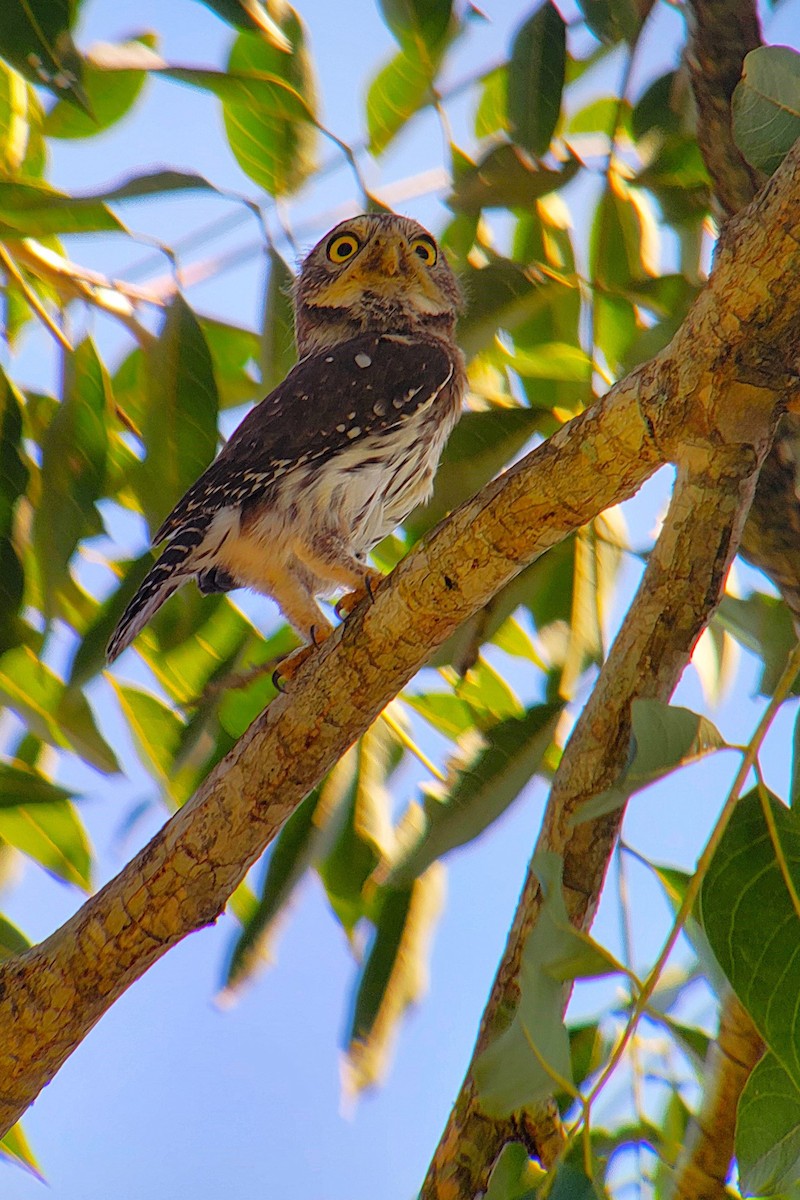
{"x": 173, "y": 568}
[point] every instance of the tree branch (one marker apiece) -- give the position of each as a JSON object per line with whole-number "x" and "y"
{"x": 721, "y": 33}
{"x": 704, "y": 1162}
{"x": 718, "y": 428}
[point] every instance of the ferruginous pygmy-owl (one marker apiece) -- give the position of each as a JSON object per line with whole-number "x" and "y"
{"x": 340, "y": 452}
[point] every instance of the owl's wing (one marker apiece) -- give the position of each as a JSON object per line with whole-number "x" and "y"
{"x": 365, "y": 386}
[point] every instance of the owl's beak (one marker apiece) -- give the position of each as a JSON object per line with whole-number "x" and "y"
{"x": 389, "y": 261}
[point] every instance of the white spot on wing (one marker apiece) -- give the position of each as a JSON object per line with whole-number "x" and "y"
{"x": 363, "y": 360}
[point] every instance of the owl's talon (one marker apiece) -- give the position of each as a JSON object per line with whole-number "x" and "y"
{"x": 289, "y": 666}
{"x": 351, "y": 600}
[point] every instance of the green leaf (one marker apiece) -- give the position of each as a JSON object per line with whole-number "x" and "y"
{"x": 22, "y": 149}
{"x": 554, "y": 360}
{"x": 278, "y": 352}
{"x": 59, "y": 715}
{"x": 418, "y": 21}
{"x": 364, "y": 834}
{"x": 491, "y": 114}
{"x": 155, "y": 727}
{"x": 536, "y": 79}
{"x": 20, "y": 786}
{"x": 251, "y": 14}
{"x": 52, "y": 834}
{"x": 764, "y": 625}
{"x": 612, "y": 20}
{"x": 490, "y": 774}
{"x": 14, "y": 1148}
{"x": 571, "y": 1183}
{"x": 514, "y": 1175}
{"x": 794, "y": 788}
{"x": 273, "y": 149}
{"x": 444, "y": 711}
{"x": 507, "y": 178}
{"x": 12, "y": 941}
{"x": 34, "y": 209}
{"x": 35, "y": 38}
{"x": 13, "y": 481}
{"x": 751, "y": 923}
{"x": 619, "y": 249}
{"x": 503, "y": 295}
{"x": 393, "y": 977}
{"x": 657, "y": 108}
{"x": 766, "y": 106}
{"x": 179, "y": 428}
{"x": 510, "y": 1074}
{"x": 109, "y": 100}
{"x": 600, "y": 116}
{"x": 267, "y": 91}
{"x": 74, "y": 451}
{"x": 768, "y": 1131}
{"x": 235, "y": 353}
{"x": 674, "y": 883}
{"x": 400, "y": 89}
{"x": 289, "y": 858}
{"x": 90, "y": 656}
{"x": 663, "y": 738}
{"x": 186, "y": 665}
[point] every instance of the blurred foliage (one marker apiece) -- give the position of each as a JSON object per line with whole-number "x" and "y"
{"x": 579, "y": 220}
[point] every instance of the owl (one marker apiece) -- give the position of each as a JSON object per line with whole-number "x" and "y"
{"x": 340, "y": 452}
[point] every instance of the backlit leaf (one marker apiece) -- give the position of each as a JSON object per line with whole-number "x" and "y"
{"x": 35, "y": 38}
{"x": 290, "y": 856}
{"x": 74, "y": 452}
{"x": 394, "y": 975}
{"x": 13, "y": 480}
{"x": 518, "y": 1068}
{"x": 156, "y": 729}
{"x": 483, "y": 785}
{"x": 278, "y": 353}
{"x": 401, "y": 88}
{"x": 274, "y": 150}
{"x": 109, "y": 100}
{"x": 33, "y": 209}
{"x": 491, "y": 113}
{"x": 53, "y": 835}
{"x": 365, "y": 834}
{"x": 14, "y": 1148}
{"x": 59, "y": 715}
{"x": 12, "y": 941}
{"x": 22, "y": 148}
{"x": 179, "y": 428}
{"x": 663, "y": 738}
{"x": 418, "y": 21}
{"x": 507, "y": 178}
{"x": 19, "y": 786}
{"x": 611, "y": 20}
{"x": 536, "y": 79}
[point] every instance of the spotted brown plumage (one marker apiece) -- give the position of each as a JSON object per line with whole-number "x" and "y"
{"x": 337, "y": 455}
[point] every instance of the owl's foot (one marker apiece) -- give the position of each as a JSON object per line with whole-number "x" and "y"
{"x": 289, "y": 666}
{"x": 351, "y": 600}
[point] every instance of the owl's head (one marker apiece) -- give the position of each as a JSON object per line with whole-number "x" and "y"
{"x": 376, "y": 272}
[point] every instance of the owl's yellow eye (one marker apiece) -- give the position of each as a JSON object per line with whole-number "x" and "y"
{"x": 342, "y": 247}
{"x": 425, "y": 247}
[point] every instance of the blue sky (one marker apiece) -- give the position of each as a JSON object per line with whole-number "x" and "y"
{"x": 168, "y": 1096}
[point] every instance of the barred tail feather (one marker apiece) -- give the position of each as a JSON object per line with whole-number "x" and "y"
{"x": 164, "y": 578}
